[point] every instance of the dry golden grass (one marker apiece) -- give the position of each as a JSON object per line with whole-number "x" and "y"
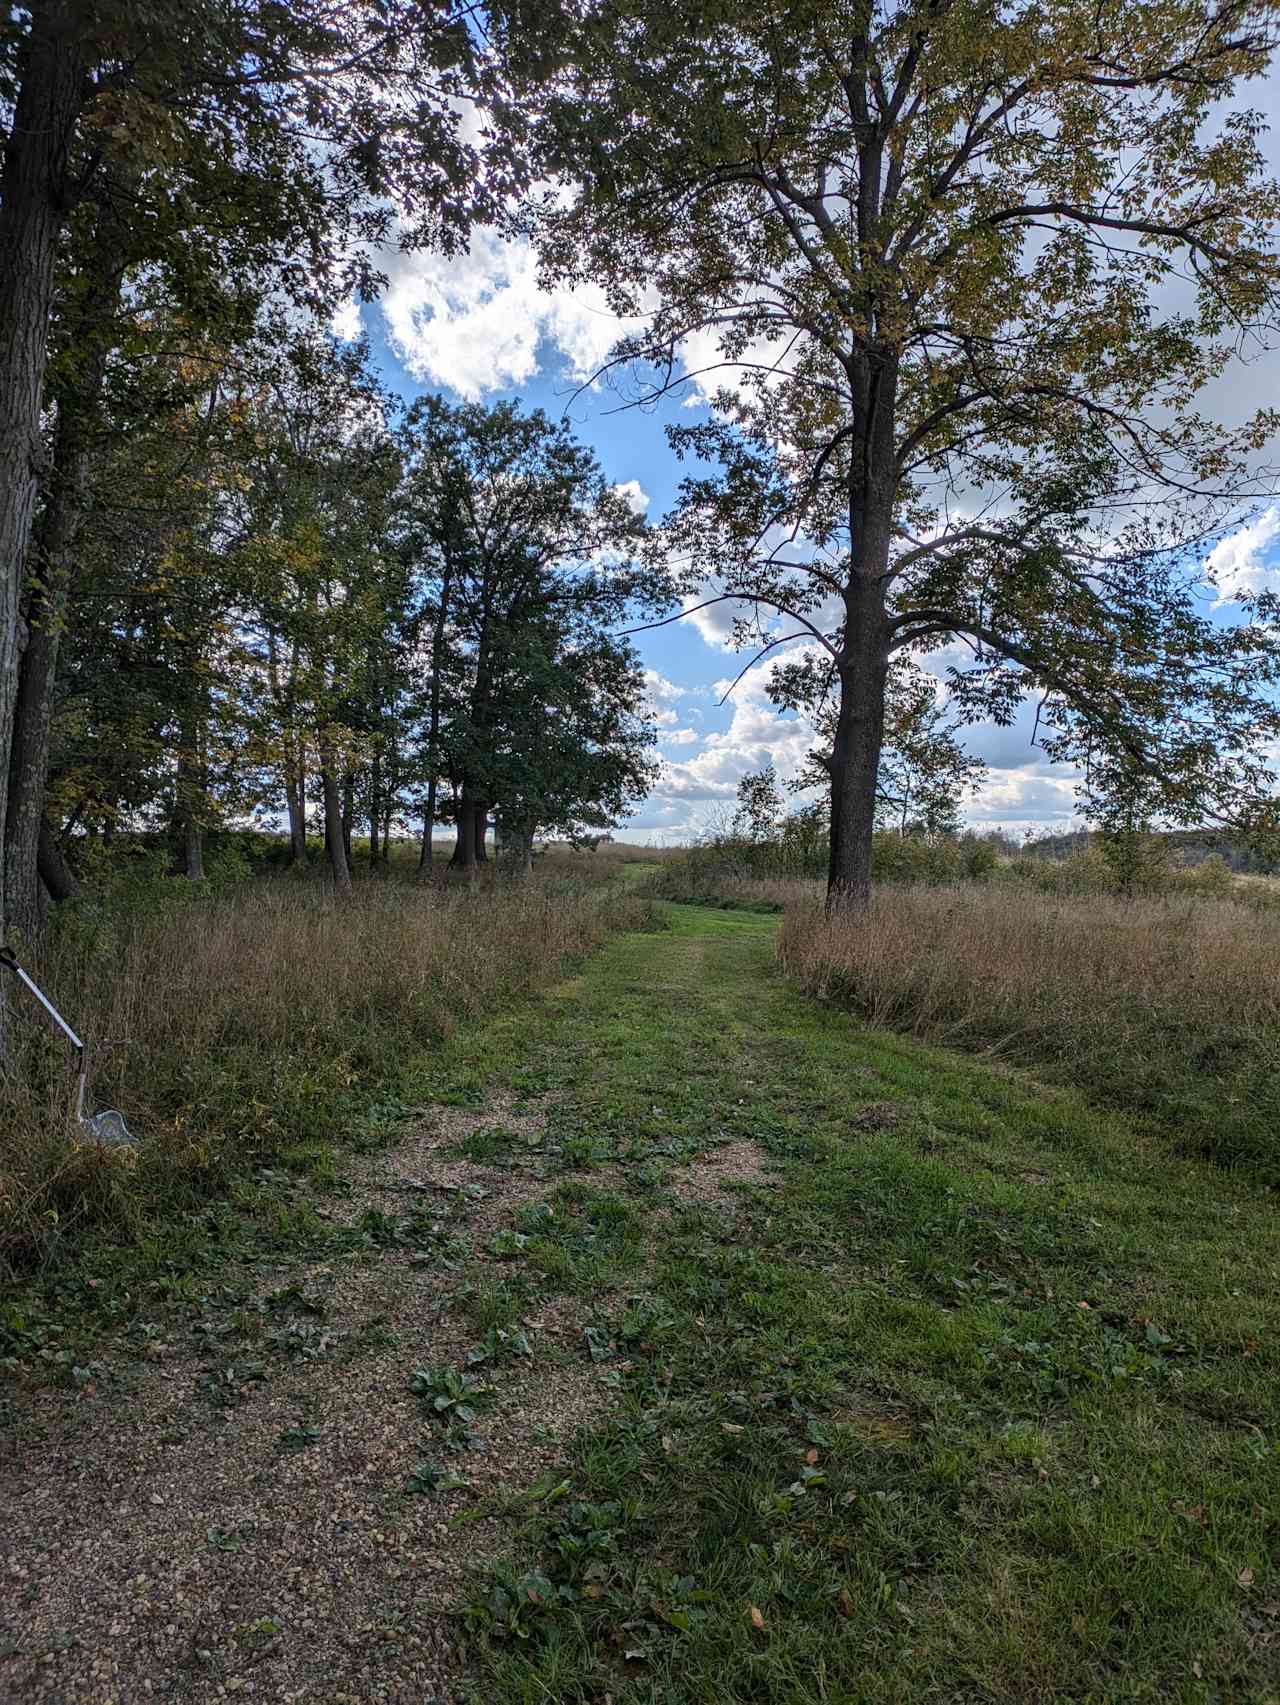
{"x": 255, "y": 1024}
{"x": 1167, "y": 1006}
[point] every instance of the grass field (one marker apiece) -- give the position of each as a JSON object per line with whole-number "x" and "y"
{"x": 1167, "y": 1007}
{"x": 970, "y": 1392}
{"x": 251, "y": 1025}
{"x": 917, "y": 1380}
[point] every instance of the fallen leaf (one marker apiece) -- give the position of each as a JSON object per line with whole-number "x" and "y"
{"x": 844, "y": 1604}
{"x": 1245, "y": 1578}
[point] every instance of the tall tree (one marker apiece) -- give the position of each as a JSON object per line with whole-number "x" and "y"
{"x": 967, "y": 266}
{"x": 525, "y": 550}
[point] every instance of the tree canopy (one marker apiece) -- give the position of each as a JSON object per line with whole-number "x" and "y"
{"x": 965, "y": 269}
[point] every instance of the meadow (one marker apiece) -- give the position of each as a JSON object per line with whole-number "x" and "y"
{"x": 246, "y": 1022}
{"x": 1163, "y": 1002}
{"x": 647, "y": 1280}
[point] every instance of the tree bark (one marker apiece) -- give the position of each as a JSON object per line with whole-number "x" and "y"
{"x": 193, "y": 860}
{"x": 464, "y": 851}
{"x": 473, "y": 817}
{"x": 855, "y": 758}
{"x": 863, "y": 663}
{"x": 33, "y": 207}
{"x": 348, "y": 816}
{"x": 295, "y": 799}
{"x": 334, "y": 841}
{"x": 53, "y": 557}
{"x": 55, "y": 873}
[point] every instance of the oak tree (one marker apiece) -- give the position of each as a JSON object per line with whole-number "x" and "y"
{"x": 963, "y": 268}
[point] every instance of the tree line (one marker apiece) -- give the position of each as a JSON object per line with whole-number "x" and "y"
{"x": 292, "y": 596}
{"x": 237, "y": 575}
{"x": 963, "y": 271}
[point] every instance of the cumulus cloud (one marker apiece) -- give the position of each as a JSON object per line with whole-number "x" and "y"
{"x": 662, "y": 698}
{"x": 478, "y": 322}
{"x": 1022, "y": 792}
{"x": 715, "y": 621}
{"x": 346, "y": 322}
{"x": 634, "y": 496}
{"x": 1237, "y": 563}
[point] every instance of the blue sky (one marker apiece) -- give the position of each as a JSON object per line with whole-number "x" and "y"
{"x": 477, "y": 326}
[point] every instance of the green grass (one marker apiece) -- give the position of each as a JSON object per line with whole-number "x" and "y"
{"x": 974, "y": 1398}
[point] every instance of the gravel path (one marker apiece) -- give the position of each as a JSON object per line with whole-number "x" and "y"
{"x": 223, "y": 1512}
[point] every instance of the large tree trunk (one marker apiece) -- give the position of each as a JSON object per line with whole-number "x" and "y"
{"x": 863, "y": 663}
{"x": 518, "y": 843}
{"x": 33, "y": 207}
{"x": 193, "y": 854}
{"x": 334, "y": 841}
{"x": 464, "y": 850}
{"x": 855, "y": 758}
{"x": 473, "y": 817}
{"x": 348, "y": 816}
{"x": 53, "y": 557}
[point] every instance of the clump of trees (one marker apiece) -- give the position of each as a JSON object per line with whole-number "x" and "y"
{"x": 293, "y": 600}
{"x": 235, "y": 577}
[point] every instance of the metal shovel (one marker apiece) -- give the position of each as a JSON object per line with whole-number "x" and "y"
{"x": 108, "y": 1127}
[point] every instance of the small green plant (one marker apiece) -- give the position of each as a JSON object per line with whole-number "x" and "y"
{"x": 450, "y": 1394}
{"x": 295, "y": 1439}
{"x": 500, "y": 1344}
{"x": 428, "y": 1478}
{"x": 508, "y": 1243}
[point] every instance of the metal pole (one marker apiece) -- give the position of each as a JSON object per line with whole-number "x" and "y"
{"x": 8, "y": 958}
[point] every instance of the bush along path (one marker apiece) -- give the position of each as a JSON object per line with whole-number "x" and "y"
{"x": 698, "y": 1345}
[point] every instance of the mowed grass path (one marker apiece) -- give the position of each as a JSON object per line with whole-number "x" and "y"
{"x": 968, "y": 1392}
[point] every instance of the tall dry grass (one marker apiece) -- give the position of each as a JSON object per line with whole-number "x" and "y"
{"x": 253, "y": 1025}
{"x": 1170, "y": 1007}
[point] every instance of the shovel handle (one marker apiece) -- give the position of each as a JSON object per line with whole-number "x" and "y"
{"x": 9, "y": 959}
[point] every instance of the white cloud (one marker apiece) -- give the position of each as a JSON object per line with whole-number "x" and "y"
{"x": 346, "y": 323}
{"x": 663, "y": 696}
{"x": 661, "y": 691}
{"x": 1236, "y": 562}
{"x": 475, "y": 322}
{"x": 715, "y": 621}
{"x": 634, "y": 495}
{"x": 1022, "y": 791}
